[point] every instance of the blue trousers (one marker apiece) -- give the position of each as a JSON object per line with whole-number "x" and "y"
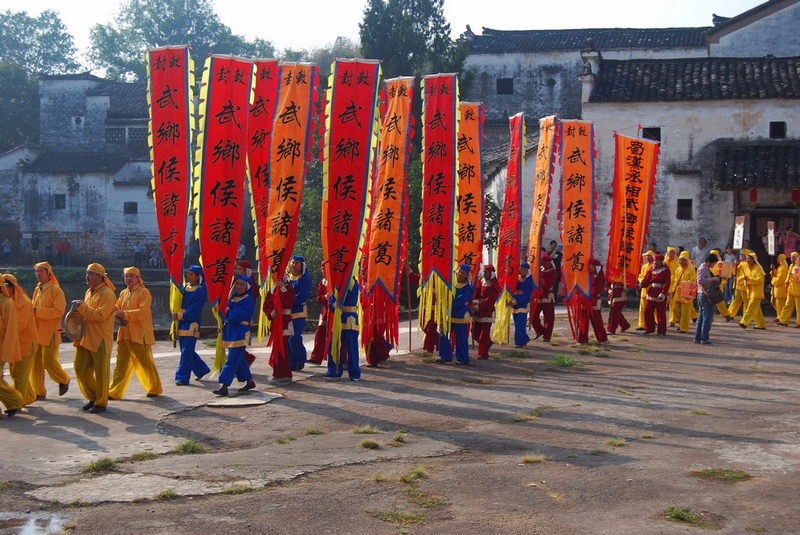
{"x": 236, "y": 365}
{"x": 190, "y": 361}
{"x": 297, "y": 351}
{"x": 349, "y": 350}
{"x": 461, "y": 333}
{"x": 705, "y": 318}
{"x": 521, "y": 329}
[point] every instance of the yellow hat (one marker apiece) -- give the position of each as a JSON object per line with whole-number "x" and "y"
{"x": 671, "y": 249}
{"x": 3, "y": 290}
{"x": 716, "y": 252}
{"x": 746, "y": 252}
{"x": 649, "y": 253}
{"x": 794, "y": 254}
{"x": 100, "y": 270}
{"x": 753, "y": 255}
{"x": 134, "y": 270}
{"x": 685, "y": 255}
{"x": 46, "y": 265}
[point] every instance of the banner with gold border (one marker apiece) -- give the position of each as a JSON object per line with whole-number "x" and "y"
{"x": 470, "y": 201}
{"x": 545, "y": 167}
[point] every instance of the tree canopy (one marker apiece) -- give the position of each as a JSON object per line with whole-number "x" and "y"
{"x": 40, "y": 45}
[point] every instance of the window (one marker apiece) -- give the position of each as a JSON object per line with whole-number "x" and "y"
{"x": 653, "y": 133}
{"x": 115, "y": 136}
{"x": 684, "y": 209}
{"x": 130, "y": 208}
{"x": 137, "y": 135}
{"x": 59, "y": 201}
{"x": 505, "y": 86}
{"x": 777, "y": 130}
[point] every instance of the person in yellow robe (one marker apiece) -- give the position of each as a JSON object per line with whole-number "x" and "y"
{"x": 740, "y": 287}
{"x": 9, "y": 349}
{"x": 647, "y": 265}
{"x": 135, "y": 339}
{"x": 685, "y": 272}
{"x": 755, "y": 293}
{"x": 716, "y": 270}
{"x": 792, "y": 293}
{"x": 49, "y": 305}
{"x": 671, "y": 260}
{"x": 28, "y": 336}
{"x": 779, "y": 278}
{"x": 93, "y": 350}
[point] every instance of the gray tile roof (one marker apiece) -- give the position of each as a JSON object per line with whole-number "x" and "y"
{"x": 505, "y": 41}
{"x": 695, "y": 79}
{"x": 747, "y": 165}
{"x": 128, "y": 100}
{"x": 77, "y": 163}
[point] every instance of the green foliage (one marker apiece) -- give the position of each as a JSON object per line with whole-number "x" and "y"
{"x": 40, "y": 45}
{"x": 492, "y": 222}
{"x": 120, "y": 48}
{"x": 189, "y": 447}
{"x": 101, "y": 465}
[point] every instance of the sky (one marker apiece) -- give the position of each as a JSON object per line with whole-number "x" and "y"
{"x": 310, "y": 24}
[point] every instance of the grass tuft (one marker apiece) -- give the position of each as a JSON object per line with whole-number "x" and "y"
{"x": 286, "y": 439}
{"x": 721, "y": 474}
{"x": 598, "y": 452}
{"x": 4, "y": 485}
{"x": 616, "y": 442}
{"x": 167, "y": 494}
{"x": 418, "y": 472}
{"x": 189, "y": 447}
{"x": 239, "y": 489}
{"x": 370, "y": 444}
{"x": 698, "y": 412}
{"x": 143, "y": 456}
{"x": 533, "y": 459}
{"x": 703, "y": 520}
{"x": 646, "y": 435}
{"x": 316, "y": 431}
{"x": 366, "y": 430}
{"x": 424, "y": 499}
{"x": 397, "y": 517}
{"x": 399, "y": 437}
{"x": 101, "y": 466}
{"x": 531, "y": 414}
{"x": 563, "y": 361}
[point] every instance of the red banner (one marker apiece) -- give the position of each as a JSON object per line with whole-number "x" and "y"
{"x": 510, "y": 235}
{"x": 387, "y": 234}
{"x": 262, "y": 116}
{"x": 169, "y": 97}
{"x": 439, "y": 165}
{"x": 469, "y": 203}
{"x": 545, "y": 166}
{"x": 224, "y": 103}
{"x": 635, "y": 164}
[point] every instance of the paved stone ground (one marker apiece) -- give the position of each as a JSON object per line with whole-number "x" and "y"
{"x": 515, "y": 444}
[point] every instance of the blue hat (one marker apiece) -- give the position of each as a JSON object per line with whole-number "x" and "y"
{"x": 197, "y": 270}
{"x": 465, "y": 268}
{"x": 299, "y": 258}
{"x": 525, "y": 265}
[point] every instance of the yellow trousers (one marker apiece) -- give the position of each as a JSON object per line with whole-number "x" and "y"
{"x": 46, "y": 358}
{"x": 754, "y": 313}
{"x": 21, "y": 373}
{"x": 739, "y": 299}
{"x": 91, "y": 371}
{"x": 133, "y": 357}
{"x": 642, "y": 305}
{"x": 683, "y": 312}
{"x": 9, "y": 396}
{"x": 722, "y": 308}
{"x": 777, "y": 304}
{"x": 792, "y": 305}
{"x": 673, "y": 311}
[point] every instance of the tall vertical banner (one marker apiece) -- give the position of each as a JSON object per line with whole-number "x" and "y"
{"x": 439, "y": 188}
{"x": 225, "y": 96}
{"x": 510, "y": 235}
{"x": 290, "y": 151}
{"x": 577, "y": 216}
{"x": 170, "y": 80}
{"x": 388, "y": 225}
{"x": 470, "y": 200}
{"x": 351, "y": 120}
{"x": 635, "y": 164}
{"x": 545, "y": 166}
{"x": 259, "y": 134}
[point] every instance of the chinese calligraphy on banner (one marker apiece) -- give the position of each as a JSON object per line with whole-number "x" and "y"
{"x": 510, "y": 235}
{"x": 170, "y": 79}
{"x": 388, "y": 225}
{"x": 635, "y": 163}
{"x": 545, "y": 163}
{"x": 437, "y": 220}
{"x": 469, "y": 202}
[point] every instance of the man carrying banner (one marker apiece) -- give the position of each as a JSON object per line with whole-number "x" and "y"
{"x": 671, "y": 260}
{"x": 194, "y": 299}
{"x": 320, "y": 350}
{"x": 460, "y": 319}
{"x": 656, "y": 285}
{"x": 681, "y": 302}
{"x": 483, "y": 310}
{"x": 431, "y": 330}
{"x": 647, "y": 265}
{"x": 545, "y": 300}
{"x": 300, "y": 280}
{"x": 740, "y": 286}
{"x": 49, "y": 305}
{"x": 236, "y": 336}
{"x": 722, "y": 308}
{"x": 279, "y": 358}
{"x": 93, "y": 351}
{"x": 598, "y": 286}
{"x": 243, "y": 267}
{"x": 617, "y": 298}
{"x": 755, "y": 293}
{"x": 522, "y": 305}
{"x": 135, "y": 339}
{"x": 348, "y": 348}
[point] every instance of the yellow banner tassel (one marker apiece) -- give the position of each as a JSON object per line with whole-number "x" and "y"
{"x": 219, "y": 356}
{"x": 502, "y": 315}
{"x": 175, "y": 302}
{"x": 436, "y": 300}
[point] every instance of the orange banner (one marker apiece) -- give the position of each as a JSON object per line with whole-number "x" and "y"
{"x": 577, "y": 204}
{"x": 439, "y": 166}
{"x": 289, "y": 155}
{"x": 262, "y": 116}
{"x": 169, "y": 96}
{"x": 545, "y": 165}
{"x": 635, "y": 164}
{"x": 469, "y": 203}
{"x": 224, "y": 103}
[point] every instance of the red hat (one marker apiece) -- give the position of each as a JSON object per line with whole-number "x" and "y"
{"x": 547, "y": 258}
{"x": 488, "y": 267}
{"x": 245, "y": 264}
{"x": 659, "y": 257}
{"x": 594, "y": 262}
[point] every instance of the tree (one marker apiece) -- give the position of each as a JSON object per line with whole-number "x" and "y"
{"x": 491, "y": 227}
{"x": 144, "y": 24}
{"x": 40, "y": 45}
{"x": 19, "y": 106}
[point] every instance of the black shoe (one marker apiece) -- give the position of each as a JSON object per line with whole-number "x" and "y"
{"x": 728, "y": 319}
{"x": 40, "y": 397}
{"x": 88, "y": 406}
{"x": 178, "y": 383}
{"x": 12, "y": 412}
{"x": 151, "y": 395}
{"x": 221, "y": 391}
{"x": 440, "y": 361}
{"x": 249, "y": 386}
{"x": 63, "y": 388}
{"x": 97, "y": 409}
{"x": 743, "y": 326}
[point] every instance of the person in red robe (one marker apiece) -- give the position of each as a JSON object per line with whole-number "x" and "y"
{"x": 598, "y": 286}
{"x": 320, "y": 351}
{"x": 617, "y": 298}
{"x": 656, "y": 283}
{"x": 545, "y": 300}
{"x": 279, "y": 342}
{"x": 483, "y": 302}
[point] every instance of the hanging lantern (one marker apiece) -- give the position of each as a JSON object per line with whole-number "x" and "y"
{"x": 753, "y": 196}
{"x": 795, "y": 196}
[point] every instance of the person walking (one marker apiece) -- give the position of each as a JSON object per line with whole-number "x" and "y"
{"x": 9, "y": 348}
{"x": 792, "y": 293}
{"x": 483, "y": 311}
{"x": 320, "y": 350}
{"x": 195, "y": 296}
{"x": 135, "y": 338}
{"x": 236, "y": 336}
{"x": 779, "y": 279}
{"x": 348, "y": 345}
{"x": 300, "y": 280}
{"x": 686, "y": 273}
{"x": 459, "y": 319}
{"x": 595, "y": 313}
{"x": 49, "y": 304}
{"x": 278, "y": 304}
{"x": 706, "y": 315}
{"x": 755, "y": 293}
{"x": 35, "y": 244}
{"x": 647, "y": 265}
{"x": 522, "y": 305}
{"x": 28, "y": 336}
{"x": 542, "y": 318}
{"x": 617, "y": 299}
